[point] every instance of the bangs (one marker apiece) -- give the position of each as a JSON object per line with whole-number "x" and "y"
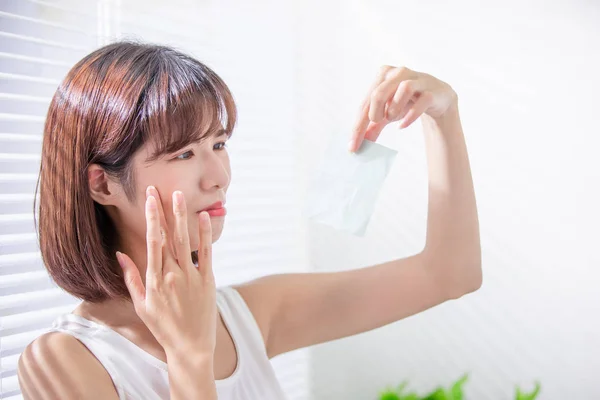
{"x": 185, "y": 103}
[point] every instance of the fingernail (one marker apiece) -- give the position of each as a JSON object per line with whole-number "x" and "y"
{"x": 151, "y": 203}
{"x": 120, "y": 259}
{"x": 149, "y": 190}
{"x": 177, "y": 197}
{"x": 351, "y": 146}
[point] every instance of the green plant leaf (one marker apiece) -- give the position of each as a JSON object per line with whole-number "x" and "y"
{"x": 456, "y": 391}
{"x": 389, "y": 396}
{"x": 528, "y": 396}
{"x": 407, "y": 396}
{"x": 437, "y": 394}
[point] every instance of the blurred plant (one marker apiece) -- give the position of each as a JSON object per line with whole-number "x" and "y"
{"x": 455, "y": 392}
{"x": 528, "y": 396}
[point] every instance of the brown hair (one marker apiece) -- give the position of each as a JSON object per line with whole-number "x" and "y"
{"x": 110, "y": 104}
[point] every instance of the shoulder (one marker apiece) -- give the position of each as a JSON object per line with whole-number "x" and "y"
{"x": 57, "y": 365}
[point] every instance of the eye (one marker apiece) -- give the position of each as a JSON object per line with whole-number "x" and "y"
{"x": 223, "y": 147}
{"x": 182, "y": 154}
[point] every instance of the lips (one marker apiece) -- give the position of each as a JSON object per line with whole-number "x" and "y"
{"x": 215, "y": 210}
{"x": 215, "y": 206}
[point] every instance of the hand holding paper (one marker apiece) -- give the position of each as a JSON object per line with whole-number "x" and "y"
{"x": 399, "y": 93}
{"x": 344, "y": 191}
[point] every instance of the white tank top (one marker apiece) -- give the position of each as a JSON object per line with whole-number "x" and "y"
{"x": 139, "y": 375}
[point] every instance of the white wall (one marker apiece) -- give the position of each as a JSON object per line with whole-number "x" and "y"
{"x": 527, "y": 80}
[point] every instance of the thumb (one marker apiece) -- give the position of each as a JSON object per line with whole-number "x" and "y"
{"x": 133, "y": 281}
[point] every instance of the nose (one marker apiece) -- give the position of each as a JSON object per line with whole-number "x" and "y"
{"x": 215, "y": 171}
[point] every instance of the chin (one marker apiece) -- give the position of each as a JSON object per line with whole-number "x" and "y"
{"x": 216, "y": 234}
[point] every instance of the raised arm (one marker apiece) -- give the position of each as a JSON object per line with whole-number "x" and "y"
{"x": 299, "y": 310}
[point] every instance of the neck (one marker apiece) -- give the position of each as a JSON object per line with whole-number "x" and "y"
{"x": 115, "y": 313}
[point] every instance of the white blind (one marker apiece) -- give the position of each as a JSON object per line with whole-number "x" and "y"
{"x": 39, "y": 42}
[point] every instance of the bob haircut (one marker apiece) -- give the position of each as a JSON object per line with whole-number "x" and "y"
{"x": 111, "y": 103}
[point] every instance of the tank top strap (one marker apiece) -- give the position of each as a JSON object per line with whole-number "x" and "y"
{"x": 240, "y": 321}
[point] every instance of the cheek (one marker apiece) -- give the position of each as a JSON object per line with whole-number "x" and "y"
{"x": 133, "y": 219}
{"x": 193, "y": 231}
{"x": 227, "y": 165}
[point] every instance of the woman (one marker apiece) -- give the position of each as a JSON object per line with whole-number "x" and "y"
{"x": 133, "y": 151}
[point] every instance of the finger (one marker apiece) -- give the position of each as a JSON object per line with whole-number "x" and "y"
{"x": 133, "y": 281}
{"x": 205, "y": 246}
{"x": 363, "y": 115}
{"x": 181, "y": 237}
{"x": 170, "y": 253}
{"x": 424, "y": 101}
{"x": 154, "y": 242}
{"x": 374, "y": 130}
{"x": 380, "y": 97}
{"x": 405, "y": 91}
{"x": 371, "y": 132}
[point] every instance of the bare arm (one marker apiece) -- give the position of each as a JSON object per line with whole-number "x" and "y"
{"x": 299, "y": 310}
{"x": 452, "y": 221}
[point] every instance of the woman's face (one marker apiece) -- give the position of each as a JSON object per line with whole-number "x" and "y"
{"x": 201, "y": 171}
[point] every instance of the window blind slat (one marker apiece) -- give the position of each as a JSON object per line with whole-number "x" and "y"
{"x": 10, "y": 387}
{"x": 20, "y": 263}
{"x": 15, "y": 84}
{"x": 9, "y": 366}
{"x": 80, "y": 32}
{"x": 16, "y": 224}
{"x": 6, "y": 138}
{"x": 21, "y": 340}
{"x": 25, "y": 163}
{"x": 27, "y": 46}
{"x": 25, "y": 328}
{"x": 16, "y": 203}
{"x": 15, "y": 159}
{"x": 22, "y": 117}
{"x": 22, "y": 97}
{"x": 38, "y": 65}
{"x": 24, "y": 78}
{"x": 16, "y": 330}
{"x": 22, "y": 44}
{"x": 23, "y": 183}
{"x": 39, "y": 300}
{"x": 27, "y": 105}
{"x": 11, "y": 57}
{"x": 70, "y": 10}
{"x": 24, "y": 283}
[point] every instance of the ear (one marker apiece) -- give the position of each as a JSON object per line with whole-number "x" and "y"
{"x": 103, "y": 189}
